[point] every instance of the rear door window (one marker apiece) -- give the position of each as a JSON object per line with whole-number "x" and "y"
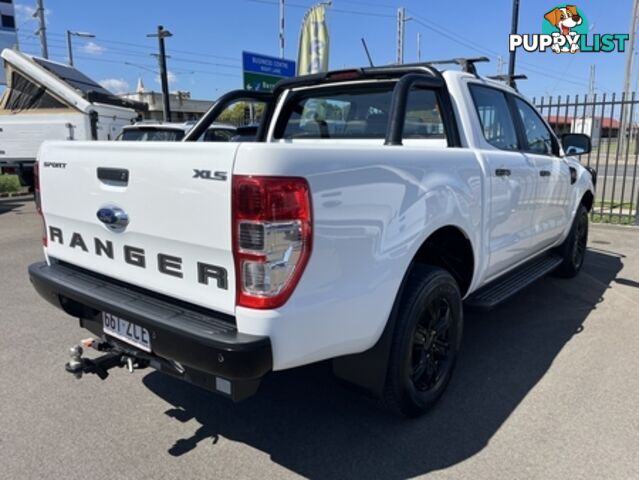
{"x": 494, "y": 116}
{"x": 423, "y": 118}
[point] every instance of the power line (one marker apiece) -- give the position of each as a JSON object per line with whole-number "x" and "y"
{"x": 151, "y": 49}
{"x": 336, "y": 10}
{"x": 120, "y": 62}
{"x": 369, "y": 4}
{"x": 489, "y": 52}
{"x": 129, "y": 53}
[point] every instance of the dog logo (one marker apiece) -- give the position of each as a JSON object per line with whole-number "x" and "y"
{"x": 565, "y": 29}
{"x": 565, "y": 19}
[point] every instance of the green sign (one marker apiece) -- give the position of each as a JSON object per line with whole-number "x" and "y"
{"x": 259, "y": 82}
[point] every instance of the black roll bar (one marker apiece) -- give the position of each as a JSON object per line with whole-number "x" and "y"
{"x": 395, "y": 131}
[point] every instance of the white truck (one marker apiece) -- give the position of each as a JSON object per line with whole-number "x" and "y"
{"x": 374, "y": 206}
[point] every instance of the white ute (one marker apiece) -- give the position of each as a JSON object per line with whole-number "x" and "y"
{"x": 373, "y": 206}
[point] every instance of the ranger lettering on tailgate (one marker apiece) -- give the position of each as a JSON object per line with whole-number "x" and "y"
{"x": 136, "y": 256}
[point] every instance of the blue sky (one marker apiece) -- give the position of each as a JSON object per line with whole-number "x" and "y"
{"x": 209, "y": 36}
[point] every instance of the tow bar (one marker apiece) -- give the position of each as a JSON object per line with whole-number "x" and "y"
{"x": 79, "y": 365}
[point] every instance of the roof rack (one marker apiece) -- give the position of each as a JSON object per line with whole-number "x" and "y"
{"x": 508, "y": 79}
{"x": 467, "y": 64}
{"x": 381, "y": 71}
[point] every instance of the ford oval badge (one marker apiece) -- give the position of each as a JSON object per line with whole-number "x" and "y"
{"x": 113, "y": 217}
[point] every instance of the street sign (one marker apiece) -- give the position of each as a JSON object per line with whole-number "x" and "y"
{"x": 262, "y": 72}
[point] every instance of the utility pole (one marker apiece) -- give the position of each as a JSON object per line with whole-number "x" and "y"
{"x": 630, "y": 56}
{"x": 162, "y": 34}
{"x": 513, "y": 31}
{"x": 592, "y": 86}
{"x": 500, "y": 65}
{"x": 419, "y": 47}
{"x": 282, "y": 28}
{"x": 401, "y": 33}
{"x": 70, "y": 47}
{"x": 42, "y": 29}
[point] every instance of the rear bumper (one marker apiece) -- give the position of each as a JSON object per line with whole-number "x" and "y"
{"x": 203, "y": 341}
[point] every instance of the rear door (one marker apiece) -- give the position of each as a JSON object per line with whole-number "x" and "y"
{"x": 511, "y": 178}
{"x": 552, "y": 202}
{"x": 177, "y": 198}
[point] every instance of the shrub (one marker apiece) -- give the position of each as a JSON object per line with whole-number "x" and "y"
{"x": 9, "y": 183}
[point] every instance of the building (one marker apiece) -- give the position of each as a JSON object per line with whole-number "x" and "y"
{"x": 183, "y": 107}
{"x": 8, "y": 32}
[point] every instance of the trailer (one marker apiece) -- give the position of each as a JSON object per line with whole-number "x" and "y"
{"x": 47, "y": 100}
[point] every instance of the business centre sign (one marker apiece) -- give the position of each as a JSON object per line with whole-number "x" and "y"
{"x": 262, "y": 72}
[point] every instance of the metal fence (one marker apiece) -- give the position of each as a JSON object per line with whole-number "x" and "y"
{"x": 610, "y": 122}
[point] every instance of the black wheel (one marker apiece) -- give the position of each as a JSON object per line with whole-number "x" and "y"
{"x": 573, "y": 250}
{"x": 426, "y": 341}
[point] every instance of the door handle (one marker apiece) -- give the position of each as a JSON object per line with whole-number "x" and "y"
{"x": 544, "y": 173}
{"x": 116, "y": 175}
{"x": 502, "y": 172}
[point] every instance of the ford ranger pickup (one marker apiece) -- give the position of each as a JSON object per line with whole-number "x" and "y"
{"x": 372, "y": 207}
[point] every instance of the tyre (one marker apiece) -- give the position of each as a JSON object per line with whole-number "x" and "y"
{"x": 573, "y": 250}
{"x": 426, "y": 340}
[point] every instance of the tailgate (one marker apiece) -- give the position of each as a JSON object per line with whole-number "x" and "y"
{"x": 178, "y": 238}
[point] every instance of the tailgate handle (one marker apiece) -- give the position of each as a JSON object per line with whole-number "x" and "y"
{"x": 119, "y": 176}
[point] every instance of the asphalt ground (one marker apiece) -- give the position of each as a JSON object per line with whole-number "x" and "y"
{"x": 547, "y": 387}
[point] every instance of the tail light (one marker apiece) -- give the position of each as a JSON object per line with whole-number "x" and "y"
{"x": 38, "y": 200}
{"x": 271, "y": 238}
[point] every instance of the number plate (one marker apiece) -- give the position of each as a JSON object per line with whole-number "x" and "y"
{"x": 126, "y": 331}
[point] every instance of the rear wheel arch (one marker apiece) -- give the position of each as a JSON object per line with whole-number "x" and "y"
{"x": 368, "y": 370}
{"x": 450, "y": 248}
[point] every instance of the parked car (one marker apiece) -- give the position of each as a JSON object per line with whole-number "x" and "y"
{"x": 155, "y": 132}
{"x": 174, "y": 132}
{"x": 220, "y": 132}
{"x": 358, "y": 243}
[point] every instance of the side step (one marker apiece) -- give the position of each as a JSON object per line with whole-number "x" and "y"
{"x": 499, "y": 290}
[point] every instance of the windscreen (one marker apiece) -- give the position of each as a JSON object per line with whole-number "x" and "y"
{"x": 357, "y": 112}
{"x": 152, "y": 135}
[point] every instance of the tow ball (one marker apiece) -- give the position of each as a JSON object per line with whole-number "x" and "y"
{"x": 79, "y": 365}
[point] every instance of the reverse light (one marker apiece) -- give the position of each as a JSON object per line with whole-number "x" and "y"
{"x": 271, "y": 238}
{"x": 38, "y": 200}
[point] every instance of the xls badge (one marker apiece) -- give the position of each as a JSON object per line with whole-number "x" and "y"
{"x": 565, "y": 29}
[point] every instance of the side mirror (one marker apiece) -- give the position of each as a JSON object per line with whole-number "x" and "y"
{"x": 576, "y": 143}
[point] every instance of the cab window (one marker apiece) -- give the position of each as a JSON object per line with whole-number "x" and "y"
{"x": 337, "y": 112}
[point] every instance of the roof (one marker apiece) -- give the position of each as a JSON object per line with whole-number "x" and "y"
{"x": 66, "y": 82}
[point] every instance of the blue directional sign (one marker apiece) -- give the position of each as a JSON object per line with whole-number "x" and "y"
{"x": 262, "y": 72}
